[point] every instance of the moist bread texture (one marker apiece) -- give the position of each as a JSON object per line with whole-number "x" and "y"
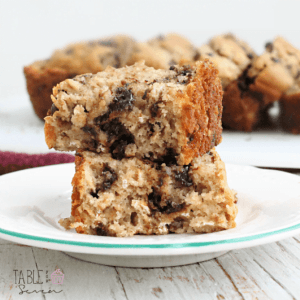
{"x": 123, "y": 198}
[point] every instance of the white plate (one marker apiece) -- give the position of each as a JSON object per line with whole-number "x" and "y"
{"x": 22, "y": 131}
{"x": 263, "y": 148}
{"x": 32, "y": 202}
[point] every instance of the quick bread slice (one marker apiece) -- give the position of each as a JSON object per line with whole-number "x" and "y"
{"x": 131, "y": 196}
{"x": 138, "y": 111}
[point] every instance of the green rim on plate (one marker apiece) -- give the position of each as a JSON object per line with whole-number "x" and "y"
{"x": 153, "y": 246}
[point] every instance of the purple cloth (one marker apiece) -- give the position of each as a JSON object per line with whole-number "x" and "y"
{"x": 12, "y": 161}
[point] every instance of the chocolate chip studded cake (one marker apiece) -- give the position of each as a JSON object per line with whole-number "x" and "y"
{"x": 132, "y": 196}
{"x": 230, "y": 55}
{"x": 140, "y": 112}
{"x": 264, "y": 81}
{"x": 282, "y": 51}
{"x": 233, "y": 57}
{"x": 75, "y": 59}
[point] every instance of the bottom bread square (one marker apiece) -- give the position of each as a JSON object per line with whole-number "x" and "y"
{"x": 132, "y": 196}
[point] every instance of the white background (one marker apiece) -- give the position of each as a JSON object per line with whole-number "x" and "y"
{"x": 32, "y": 29}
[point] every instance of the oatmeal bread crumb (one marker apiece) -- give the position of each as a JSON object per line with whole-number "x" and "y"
{"x": 289, "y": 103}
{"x": 139, "y": 111}
{"x": 123, "y": 198}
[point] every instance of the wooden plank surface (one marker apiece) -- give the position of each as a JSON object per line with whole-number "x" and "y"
{"x": 265, "y": 272}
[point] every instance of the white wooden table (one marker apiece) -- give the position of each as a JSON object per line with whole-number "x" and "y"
{"x": 265, "y": 272}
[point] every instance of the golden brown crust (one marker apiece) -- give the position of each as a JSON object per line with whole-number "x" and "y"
{"x": 77, "y": 187}
{"x": 205, "y": 101}
{"x": 50, "y": 135}
{"x": 39, "y": 86}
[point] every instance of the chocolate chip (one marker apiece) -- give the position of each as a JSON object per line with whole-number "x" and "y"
{"x": 172, "y": 207}
{"x": 110, "y": 177}
{"x": 151, "y": 127}
{"x": 161, "y": 37}
{"x": 176, "y": 224}
{"x": 172, "y": 68}
{"x": 169, "y": 158}
{"x": 100, "y": 119}
{"x": 95, "y": 194}
{"x": 191, "y": 137}
{"x": 269, "y": 46}
{"x": 118, "y": 60}
{"x": 114, "y": 129}
{"x": 78, "y": 154}
{"x": 145, "y": 94}
{"x": 90, "y": 130}
{"x": 250, "y": 55}
{"x": 154, "y": 109}
{"x": 117, "y": 149}
{"x": 276, "y": 60}
{"x": 70, "y": 51}
{"x": 197, "y": 56}
{"x": 134, "y": 218}
{"x": 123, "y": 137}
{"x": 185, "y": 72}
{"x": 156, "y": 205}
{"x": 107, "y": 43}
{"x": 53, "y": 109}
{"x": 183, "y": 177}
{"x": 154, "y": 199}
{"x": 101, "y": 230}
{"x": 91, "y": 144}
{"x": 172, "y": 62}
{"x": 210, "y": 153}
{"x": 244, "y": 81}
{"x": 122, "y": 100}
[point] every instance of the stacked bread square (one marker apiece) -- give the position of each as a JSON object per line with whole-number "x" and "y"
{"x": 145, "y": 158}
